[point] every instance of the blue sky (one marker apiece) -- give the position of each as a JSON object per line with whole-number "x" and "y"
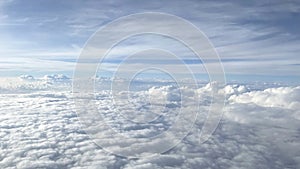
{"x": 258, "y": 39}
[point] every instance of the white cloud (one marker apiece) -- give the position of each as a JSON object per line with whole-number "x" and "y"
{"x": 235, "y": 28}
{"x": 283, "y": 97}
{"x": 40, "y": 129}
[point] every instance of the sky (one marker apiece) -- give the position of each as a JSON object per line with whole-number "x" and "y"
{"x": 50, "y": 121}
{"x": 256, "y": 41}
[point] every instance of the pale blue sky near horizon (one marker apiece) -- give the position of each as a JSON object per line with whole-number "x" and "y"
{"x": 257, "y": 40}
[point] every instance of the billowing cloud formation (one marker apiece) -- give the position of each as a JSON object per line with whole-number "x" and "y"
{"x": 29, "y": 83}
{"x": 40, "y": 129}
{"x": 284, "y": 97}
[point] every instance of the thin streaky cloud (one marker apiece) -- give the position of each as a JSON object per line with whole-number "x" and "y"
{"x": 256, "y": 30}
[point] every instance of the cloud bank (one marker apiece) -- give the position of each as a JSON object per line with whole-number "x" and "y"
{"x": 260, "y": 129}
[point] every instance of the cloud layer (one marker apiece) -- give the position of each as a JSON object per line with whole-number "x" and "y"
{"x": 260, "y": 129}
{"x": 56, "y": 36}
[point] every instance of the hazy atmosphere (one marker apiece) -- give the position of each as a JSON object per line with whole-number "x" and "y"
{"x": 149, "y": 84}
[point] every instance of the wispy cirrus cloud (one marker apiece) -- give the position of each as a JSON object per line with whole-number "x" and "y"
{"x": 242, "y": 31}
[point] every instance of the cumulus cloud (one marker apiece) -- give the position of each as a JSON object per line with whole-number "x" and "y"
{"x": 29, "y": 83}
{"x": 56, "y": 77}
{"x": 26, "y": 77}
{"x": 284, "y": 97}
{"x": 260, "y": 129}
